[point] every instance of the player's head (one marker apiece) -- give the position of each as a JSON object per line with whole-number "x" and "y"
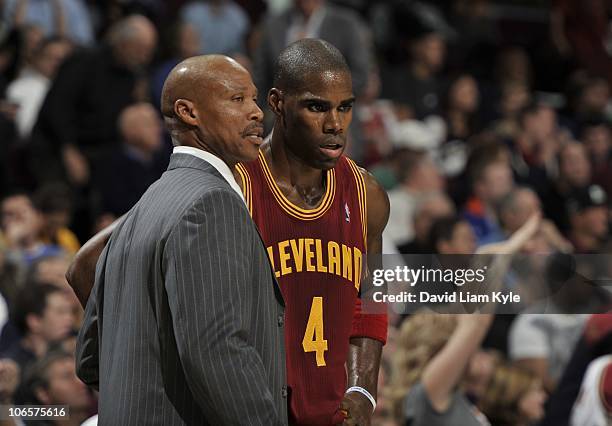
{"x": 312, "y": 98}
{"x": 209, "y": 102}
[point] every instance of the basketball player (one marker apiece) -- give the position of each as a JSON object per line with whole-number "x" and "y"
{"x": 318, "y": 215}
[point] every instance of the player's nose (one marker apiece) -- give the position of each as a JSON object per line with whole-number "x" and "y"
{"x": 332, "y": 123}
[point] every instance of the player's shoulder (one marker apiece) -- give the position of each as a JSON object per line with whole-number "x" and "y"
{"x": 372, "y": 186}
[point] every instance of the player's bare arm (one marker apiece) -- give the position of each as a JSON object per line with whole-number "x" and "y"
{"x": 82, "y": 271}
{"x": 364, "y": 353}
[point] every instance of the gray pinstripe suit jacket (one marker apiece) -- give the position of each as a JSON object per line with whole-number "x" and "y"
{"x": 184, "y": 324}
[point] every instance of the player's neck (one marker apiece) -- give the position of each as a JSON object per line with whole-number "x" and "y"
{"x": 290, "y": 169}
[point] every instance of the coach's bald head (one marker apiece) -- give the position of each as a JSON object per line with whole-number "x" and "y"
{"x": 208, "y": 102}
{"x": 194, "y": 77}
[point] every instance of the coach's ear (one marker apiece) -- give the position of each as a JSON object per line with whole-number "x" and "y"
{"x": 186, "y": 112}
{"x": 275, "y": 100}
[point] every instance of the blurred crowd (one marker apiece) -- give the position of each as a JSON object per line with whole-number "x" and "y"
{"x": 475, "y": 115}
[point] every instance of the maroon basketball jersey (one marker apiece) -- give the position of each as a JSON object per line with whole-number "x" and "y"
{"x": 318, "y": 257}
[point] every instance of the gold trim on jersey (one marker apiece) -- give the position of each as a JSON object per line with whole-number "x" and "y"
{"x": 362, "y": 195}
{"x": 247, "y": 189}
{"x": 292, "y": 209}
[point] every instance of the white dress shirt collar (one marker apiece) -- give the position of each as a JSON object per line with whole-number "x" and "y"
{"x": 214, "y": 161}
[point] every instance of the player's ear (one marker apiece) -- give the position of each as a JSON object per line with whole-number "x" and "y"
{"x": 275, "y": 100}
{"x": 186, "y": 112}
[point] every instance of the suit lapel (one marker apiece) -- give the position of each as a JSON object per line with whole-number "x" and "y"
{"x": 180, "y": 160}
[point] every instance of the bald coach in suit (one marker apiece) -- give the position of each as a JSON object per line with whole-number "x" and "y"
{"x": 184, "y": 323}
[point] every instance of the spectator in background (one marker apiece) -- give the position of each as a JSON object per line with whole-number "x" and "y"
{"x": 513, "y": 397}
{"x": 588, "y": 95}
{"x": 440, "y": 367}
{"x": 51, "y": 270}
{"x": 596, "y": 136}
{"x": 492, "y": 180}
{"x": 461, "y": 107}
{"x": 509, "y": 91}
{"x": 43, "y": 316}
{"x": 429, "y": 209}
{"x": 513, "y": 66}
{"x": 54, "y": 201}
{"x": 53, "y": 381}
{"x": 595, "y": 342}
{"x": 28, "y": 91}
{"x": 514, "y": 97}
{"x": 12, "y": 275}
{"x": 539, "y": 343}
{"x": 574, "y": 174}
{"x": 574, "y": 165}
{"x": 221, "y": 25}
{"x": 525, "y": 277}
{"x": 452, "y": 235}
{"x": 418, "y": 176}
{"x": 22, "y": 224}
{"x": 62, "y": 18}
{"x": 588, "y": 218}
{"x": 581, "y": 29}
{"x": 32, "y": 36}
{"x": 594, "y": 404}
{"x": 313, "y": 19}
{"x": 517, "y": 207}
{"x": 78, "y": 118}
{"x": 474, "y": 21}
{"x": 45, "y": 270}
{"x": 416, "y": 82}
{"x": 541, "y": 335}
{"x": 436, "y": 358}
{"x": 536, "y": 145}
{"x": 135, "y": 165}
{"x": 182, "y": 43}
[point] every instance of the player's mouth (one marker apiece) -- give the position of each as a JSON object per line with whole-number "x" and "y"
{"x": 332, "y": 150}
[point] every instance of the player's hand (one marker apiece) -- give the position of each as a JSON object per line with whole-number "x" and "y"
{"x": 358, "y": 409}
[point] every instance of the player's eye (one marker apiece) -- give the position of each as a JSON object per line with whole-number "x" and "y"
{"x": 345, "y": 108}
{"x": 238, "y": 98}
{"x": 316, "y": 107}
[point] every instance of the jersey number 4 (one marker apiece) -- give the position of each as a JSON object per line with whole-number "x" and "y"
{"x": 313, "y": 337}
